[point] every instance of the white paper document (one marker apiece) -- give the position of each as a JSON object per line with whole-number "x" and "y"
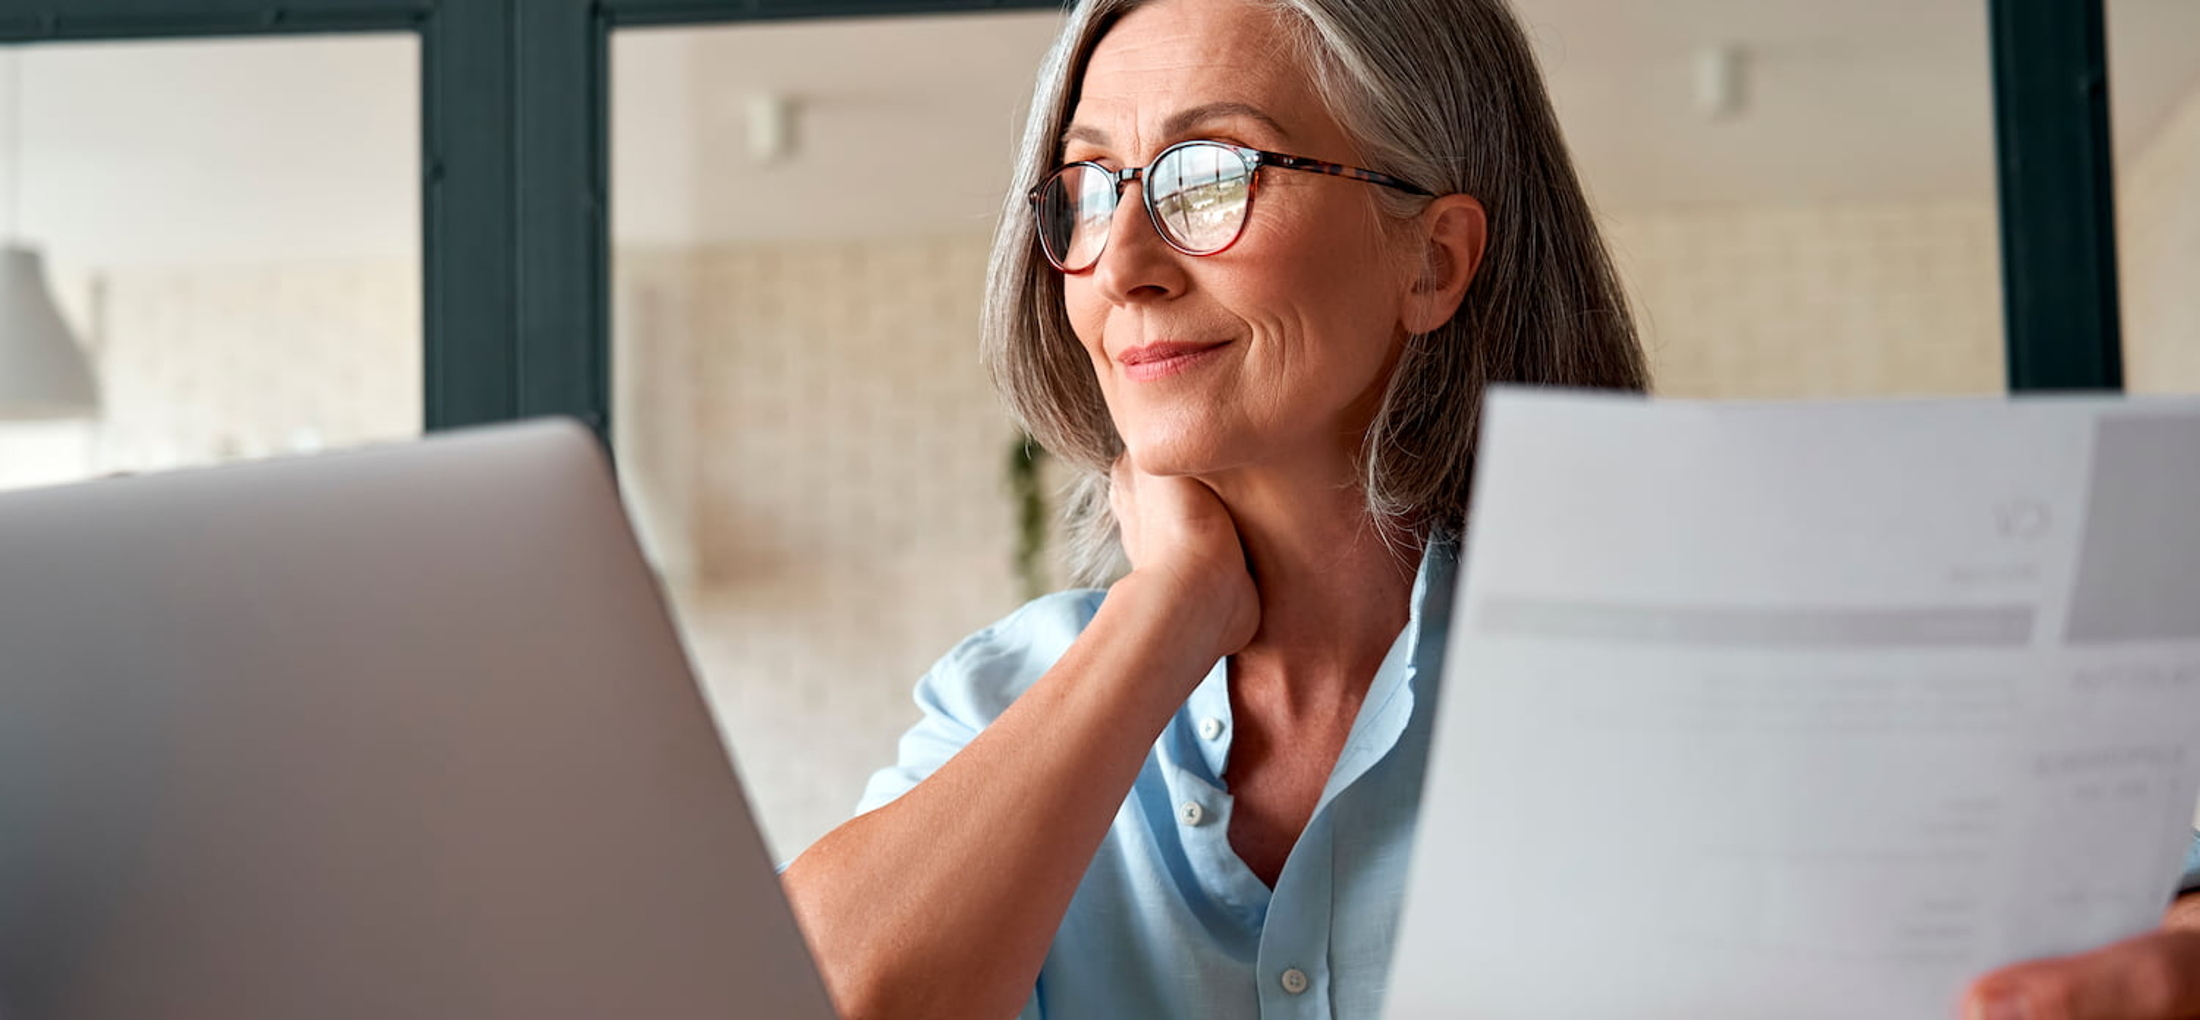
{"x": 1805, "y": 710}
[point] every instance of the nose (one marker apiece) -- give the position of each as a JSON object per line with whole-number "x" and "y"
{"x": 1137, "y": 265}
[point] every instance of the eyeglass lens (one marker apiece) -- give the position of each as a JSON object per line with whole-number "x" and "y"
{"x": 1197, "y": 193}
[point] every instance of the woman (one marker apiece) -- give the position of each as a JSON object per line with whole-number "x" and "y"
{"x": 1194, "y": 797}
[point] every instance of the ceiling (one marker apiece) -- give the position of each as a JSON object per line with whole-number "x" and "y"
{"x": 1861, "y": 100}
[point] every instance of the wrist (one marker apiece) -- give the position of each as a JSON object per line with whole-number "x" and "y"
{"x": 1186, "y": 625}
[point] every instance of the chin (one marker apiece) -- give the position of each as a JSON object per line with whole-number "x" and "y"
{"x": 1188, "y": 451}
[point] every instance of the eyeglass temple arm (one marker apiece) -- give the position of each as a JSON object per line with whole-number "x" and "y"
{"x": 1340, "y": 170}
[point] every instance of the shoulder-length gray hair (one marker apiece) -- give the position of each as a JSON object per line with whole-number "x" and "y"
{"x": 1443, "y": 93}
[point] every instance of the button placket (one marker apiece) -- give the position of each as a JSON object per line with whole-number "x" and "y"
{"x": 1206, "y": 720}
{"x": 1293, "y": 960}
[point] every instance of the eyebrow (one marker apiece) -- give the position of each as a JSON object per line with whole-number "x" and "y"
{"x": 1186, "y": 119}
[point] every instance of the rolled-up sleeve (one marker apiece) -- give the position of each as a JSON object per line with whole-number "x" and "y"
{"x": 940, "y": 732}
{"x": 975, "y": 682}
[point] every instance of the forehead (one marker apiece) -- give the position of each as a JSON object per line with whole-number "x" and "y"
{"x": 1177, "y": 55}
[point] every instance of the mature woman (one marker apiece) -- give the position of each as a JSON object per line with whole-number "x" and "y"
{"x": 1272, "y": 253}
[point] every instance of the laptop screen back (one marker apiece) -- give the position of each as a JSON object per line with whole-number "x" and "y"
{"x": 403, "y": 731}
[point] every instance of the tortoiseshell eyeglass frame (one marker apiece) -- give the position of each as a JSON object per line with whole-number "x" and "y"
{"x": 1254, "y": 159}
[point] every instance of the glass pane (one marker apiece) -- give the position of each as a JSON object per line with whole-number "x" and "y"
{"x": 2154, "y": 93}
{"x": 1800, "y": 195}
{"x": 813, "y": 454}
{"x": 224, "y": 234}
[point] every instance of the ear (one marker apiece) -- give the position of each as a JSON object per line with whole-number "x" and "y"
{"x": 1453, "y": 231}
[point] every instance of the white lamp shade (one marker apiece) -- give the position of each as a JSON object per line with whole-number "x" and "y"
{"x": 43, "y": 372}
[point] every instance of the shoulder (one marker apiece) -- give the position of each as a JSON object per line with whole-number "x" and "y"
{"x": 983, "y": 674}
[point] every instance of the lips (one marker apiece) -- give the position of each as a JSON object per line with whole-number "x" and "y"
{"x": 1164, "y": 358}
{"x": 1161, "y": 351}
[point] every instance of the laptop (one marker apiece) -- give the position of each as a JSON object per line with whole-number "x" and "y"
{"x": 402, "y": 731}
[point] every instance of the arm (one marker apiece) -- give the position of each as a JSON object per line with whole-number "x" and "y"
{"x": 943, "y": 902}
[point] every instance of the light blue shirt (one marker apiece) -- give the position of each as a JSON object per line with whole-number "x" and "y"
{"x": 1169, "y": 922}
{"x": 2191, "y": 883}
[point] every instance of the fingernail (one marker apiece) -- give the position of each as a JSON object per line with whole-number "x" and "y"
{"x": 2004, "y": 1007}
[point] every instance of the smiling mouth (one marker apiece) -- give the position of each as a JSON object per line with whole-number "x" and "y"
{"x": 1159, "y": 360}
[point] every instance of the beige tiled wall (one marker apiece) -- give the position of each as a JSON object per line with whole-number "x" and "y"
{"x": 1816, "y": 301}
{"x": 817, "y": 454}
{"x": 214, "y": 363}
{"x": 205, "y": 364}
{"x": 2158, "y": 234}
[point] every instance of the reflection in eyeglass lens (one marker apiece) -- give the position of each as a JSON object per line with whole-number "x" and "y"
{"x": 1199, "y": 194}
{"x": 1095, "y": 211}
{"x": 1075, "y": 210}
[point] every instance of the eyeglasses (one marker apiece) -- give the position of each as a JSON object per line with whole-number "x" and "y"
{"x": 1197, "y": 194}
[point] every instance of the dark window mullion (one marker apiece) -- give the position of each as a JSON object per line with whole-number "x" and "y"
{"x": 469, "y": 238}
{"x": 2057, "y": 195}
{"x": 561, "y": 118}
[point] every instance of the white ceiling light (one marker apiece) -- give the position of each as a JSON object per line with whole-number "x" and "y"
{"x": 1722, "y": 85}
{"x": 770, "y": 127}
{"x": 43, "y": 370}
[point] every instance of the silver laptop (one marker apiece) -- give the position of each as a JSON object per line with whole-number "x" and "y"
{"x": 394, "y": 732}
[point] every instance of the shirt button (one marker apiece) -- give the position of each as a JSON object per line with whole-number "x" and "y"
{"x": 1294, "y": 981}
{"x": 1191, "y": 813}
{"x": 1210, "y": 727}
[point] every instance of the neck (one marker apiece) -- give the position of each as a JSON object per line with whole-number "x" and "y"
{"x": 1333, "y": 592}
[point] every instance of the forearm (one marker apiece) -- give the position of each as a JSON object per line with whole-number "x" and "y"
{"x": 943, "y": 903}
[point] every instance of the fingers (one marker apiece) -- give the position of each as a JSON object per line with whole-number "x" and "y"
{"x": 1171, "y": 519}
{"x": 2155, "y": 976}
{"x": 1180, "y": 536}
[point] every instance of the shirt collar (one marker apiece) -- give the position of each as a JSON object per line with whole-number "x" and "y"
{"x": 1407, "y": 677}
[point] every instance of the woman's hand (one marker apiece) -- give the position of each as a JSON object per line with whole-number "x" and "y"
{"x": 2155, "y": 976}
{"x": 1183, "y": 545}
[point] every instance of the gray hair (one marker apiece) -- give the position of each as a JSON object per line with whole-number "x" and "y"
{"x": 1443, "y": 93}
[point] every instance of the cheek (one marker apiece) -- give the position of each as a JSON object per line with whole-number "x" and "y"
{"x": 1331, "y": 299}
{"x": 1087, "y": 312}
{"x": 1333, "y": 334}
{"x": 1325, "y": 252}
